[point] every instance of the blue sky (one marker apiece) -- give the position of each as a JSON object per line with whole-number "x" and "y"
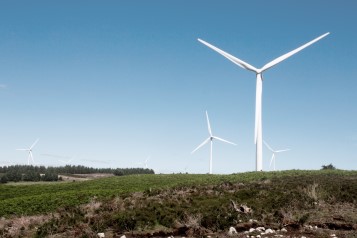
{"x": 110, "y": 83}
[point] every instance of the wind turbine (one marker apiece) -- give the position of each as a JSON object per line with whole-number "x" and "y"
{"x": 210, "y": 139}
{"x": 4, "y": 163}
{"x": 145, "y": 163}
{"x": 30, "y": 152}
{"x": 274, "y": 152}
{"x": 258, "y": 134}
{"x": 65, "y": 162}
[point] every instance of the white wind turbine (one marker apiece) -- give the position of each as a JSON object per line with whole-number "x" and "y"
{"x": 145, "y": 163}
{"x": 65, "y": 162}
{"x": 4, "y": 163}
{"x": 258, "y": 135}
{"x": 210, "y": 139}
{"x": 274, "y": 152}
{"x": 61, "y": 158}
{"x": 30, "y": 152}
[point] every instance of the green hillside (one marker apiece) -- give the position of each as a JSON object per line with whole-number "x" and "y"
{"x": 169, "y": 202}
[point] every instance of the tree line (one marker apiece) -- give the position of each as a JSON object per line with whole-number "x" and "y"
{"x": 16, "y": 173}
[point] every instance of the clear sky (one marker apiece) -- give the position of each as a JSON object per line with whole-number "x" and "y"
{"x": 109, "y": 83}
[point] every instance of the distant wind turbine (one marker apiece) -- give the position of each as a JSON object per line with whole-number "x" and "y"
{"x": 145, "y": 163}
{"x": 65, "y": 162}
{"x": 258, "y": 135}
{"x": 272, "y": 160}
{"x": 4, "y": 163}
{"x": 61, "y": 158}
{"x": 30, "y": 156}
{"x": 210, "y": 139}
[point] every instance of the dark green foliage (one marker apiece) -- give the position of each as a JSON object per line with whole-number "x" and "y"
{"x": 304, "y": 219}
{"x": 49, "y": 176}
{"x": 16, "y": 173}
{"x": 124, "y": 222}
{"x": 130, "y": 171}
{"x": 4, "y": 179}
{"x": 330, "y": 166}
{"x": 31, "y": 176}
{"x": 67, "y": 217}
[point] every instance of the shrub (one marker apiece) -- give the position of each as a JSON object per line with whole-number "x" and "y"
{"x": 330, "y": 166}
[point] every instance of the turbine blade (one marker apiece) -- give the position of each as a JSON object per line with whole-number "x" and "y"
{"x": 34, "y": 143}
{"x": 268, "y": 146}
{"x": 272, "y": 158}
{"x": 287, "y": 55}
{"x": 235, "y": 60}
{"x": 203, "y": 143}
{"x": 209, "y": 125}
{"x": 215, "y": 137}
{"x": 278, "y": 151}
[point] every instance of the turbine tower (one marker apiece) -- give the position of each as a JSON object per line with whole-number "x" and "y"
{"x": 30, "y": 152}
{"x": 146, "y": 162}
{"x": 272, "y": 160}
{"x": 258, "y": 134}
{"x": 210, "y": 139}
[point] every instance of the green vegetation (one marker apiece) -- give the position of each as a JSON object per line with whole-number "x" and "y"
{"x": 146, "y": 202}
{"x": 17, "y": 173}
{"x": 330, "y": 166}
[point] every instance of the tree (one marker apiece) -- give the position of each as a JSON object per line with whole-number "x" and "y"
{"x": 3, "y": 179}
{"x": 14, "y": 176}
{"x": 330, "y": 166}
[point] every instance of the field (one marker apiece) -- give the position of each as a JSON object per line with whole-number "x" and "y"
{"x": 196, "y": 204}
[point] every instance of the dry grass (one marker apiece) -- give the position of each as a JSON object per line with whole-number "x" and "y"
{"x": 22, "y": 226}
{"x": 311, "y": 191}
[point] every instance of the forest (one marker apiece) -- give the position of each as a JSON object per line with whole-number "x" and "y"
{"x": 17, "y": 173}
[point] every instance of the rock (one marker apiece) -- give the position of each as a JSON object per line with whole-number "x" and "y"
{"x": 232, "y": 231}
{"x": 284, "y": 230}
{"x": 123, "y": 236}
{"x": 333, "y": 235}
{"x": 258, "y": 236}
{"x": 101, "y": 235}
{"x": 251, "y": 230}
{"x": 260, "y": 228}
{"x": 269, "y": 231}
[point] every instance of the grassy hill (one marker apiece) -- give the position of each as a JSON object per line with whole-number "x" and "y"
{"x": 185, "y": 204}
